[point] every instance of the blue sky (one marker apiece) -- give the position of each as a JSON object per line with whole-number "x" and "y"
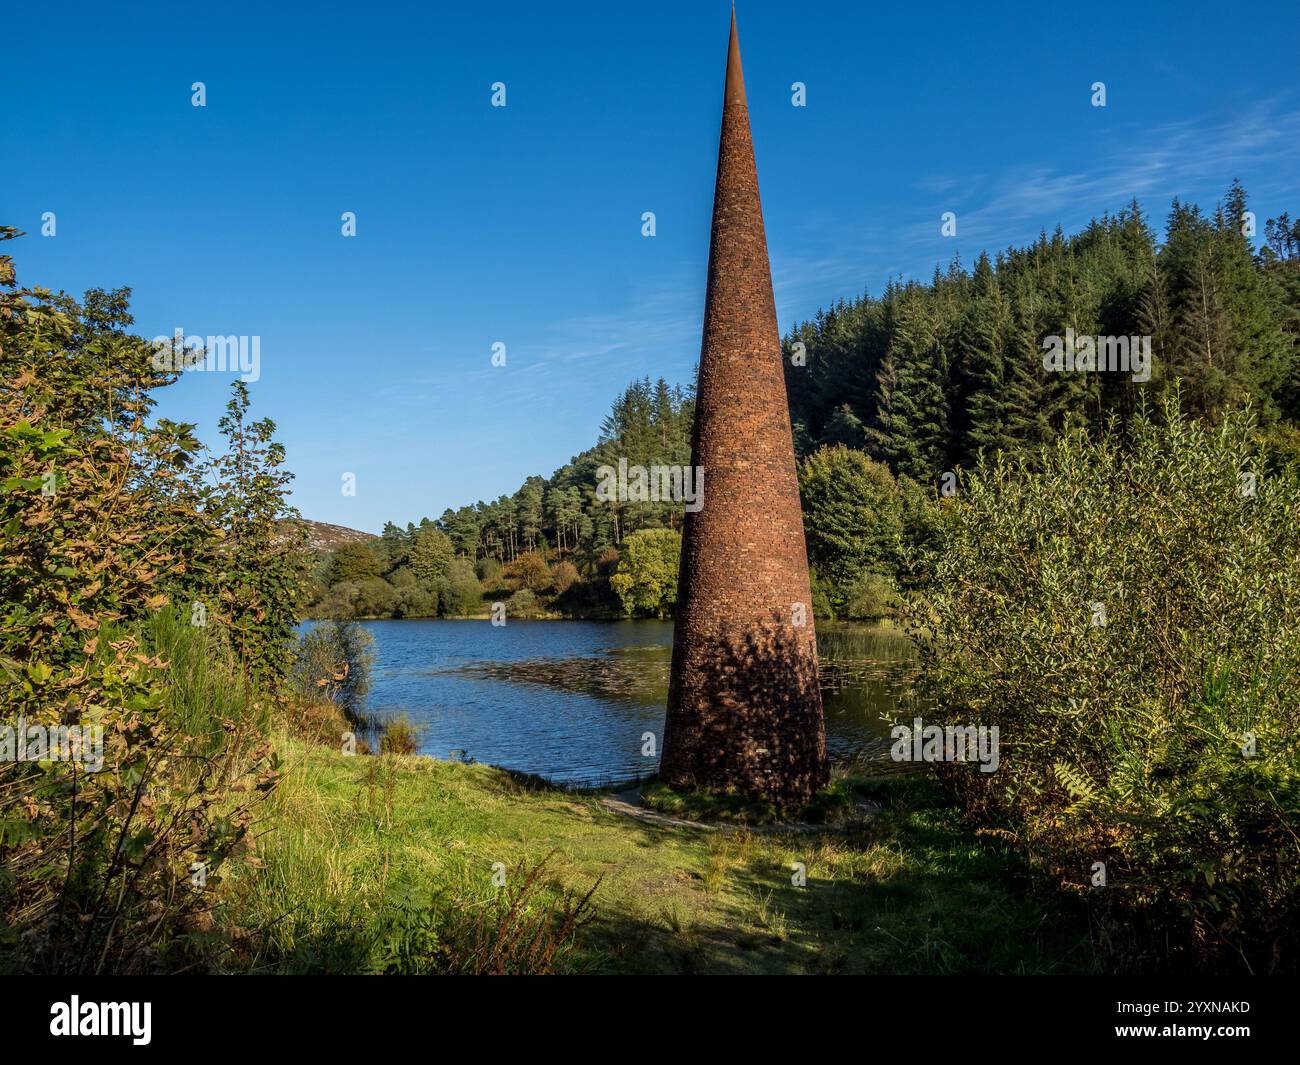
{"x": 522, "y": 224}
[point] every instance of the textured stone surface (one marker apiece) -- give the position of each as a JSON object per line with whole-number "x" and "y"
{"x": 744, "y": 708}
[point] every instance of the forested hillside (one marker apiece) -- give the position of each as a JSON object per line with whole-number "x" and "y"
{"x": 923, "y": 379}
{"x": 552, "y": 539}
{"x": 927, "y": 376}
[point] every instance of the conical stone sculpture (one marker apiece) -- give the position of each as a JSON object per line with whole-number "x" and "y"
{"x": 744, "y": 707}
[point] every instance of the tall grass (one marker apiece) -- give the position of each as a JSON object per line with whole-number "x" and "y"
{"x": 206, "y": 692}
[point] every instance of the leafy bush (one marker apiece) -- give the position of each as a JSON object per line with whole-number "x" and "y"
{"x": 563, "y": 575}
{"x": 521, "y": 604}
{"x": 431, "y": 554}
{"x": 1128, "y": 615}
{"x": 400, "y": 736}
{"x": 489, "y": 573}
{"x": 106, "y": 517}
{"x": 258, "y": 576}
{"x": 334, "y": 662}
{"x": 646, "y": 578}
{"x": 353, "y": 562}
{"x": 374, "y": 598}
{"x": 869, "y": 597}
{"x": 98, "y": 865}
{"x": 853, "y": 515}
{"x": 529, "y": 571}
{"x": 461, "y": 592}
{"x": 415, "y": 601}
{"x": 822, "y": 605}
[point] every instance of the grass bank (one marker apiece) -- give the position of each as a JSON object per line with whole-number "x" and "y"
{"x": 359, "y": 849}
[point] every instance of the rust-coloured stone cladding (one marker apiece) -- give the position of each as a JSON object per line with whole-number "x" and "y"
{"x": 744, "y": 707}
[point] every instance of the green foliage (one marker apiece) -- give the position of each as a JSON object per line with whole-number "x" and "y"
{"x": 461, "y": 592}
{"x": 399, "y": 736}
{"x": 260, "y": 572}
{"x": 853, "y": 516}
{"x": 547, "y": 526}
{"x": 372, "y": 598}
{"x": 105, "y": 518}
{"x": 334, "y": 662}
{"x": 411, "y": 601}
{"x": 489, "y": 573}
{"x": 1129, "y": 742}
{"x": 925, "y": 379}
{"x": 912, "y": 434}
{"x": 521, "y": 604}
{"x": 822, "y": 605}
{"x": 348, "y": 885}
{"x": 353, "y": 562}
{"x": 646, "y": 578}
{"x": 931, "y": 376}
{"x": 205, "y": 688}
{"x": 517, "y": 934}
{"x": 869, "y": 597}
{"x": 431, "y": 555}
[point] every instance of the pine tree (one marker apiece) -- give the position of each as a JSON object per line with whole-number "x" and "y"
{"x": 983, "y": 337}
{"x": 1206, "y": 359}
{"x": 528, "y": 507}
{"x": 843, "y": 427}
{"x": 1026, "y": 417}
{"x": 1255, "y": 319}
{"x": 1280, "y": 261}
{"x": 1154, "y": 318}
{"x": 918, "y": 439}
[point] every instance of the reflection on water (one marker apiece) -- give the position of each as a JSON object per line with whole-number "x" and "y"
{"x": 572, "y": 700}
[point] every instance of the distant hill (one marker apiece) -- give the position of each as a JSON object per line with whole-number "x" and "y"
{"x": 321, "y": 536}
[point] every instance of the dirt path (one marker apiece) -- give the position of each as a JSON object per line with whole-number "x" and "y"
{"x": 628, "y": 803}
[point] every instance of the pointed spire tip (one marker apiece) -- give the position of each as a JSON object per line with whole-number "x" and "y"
{"x": 735, "y": 91}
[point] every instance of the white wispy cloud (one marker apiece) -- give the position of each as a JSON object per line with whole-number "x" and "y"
{"x": 1194, "y": 159}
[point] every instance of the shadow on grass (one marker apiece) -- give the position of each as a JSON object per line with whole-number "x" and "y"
{"x": 909, "y": 891}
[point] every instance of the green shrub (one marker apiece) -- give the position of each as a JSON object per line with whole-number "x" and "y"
{"x": 869, "y": 597}
{"x": 415, "y": 601}
{"x": 646, "y": 578}
{"x": 822, "y": 605}
{"x": 1128, "y": 615}
{"x": 400, "y": 736}
{"x": 521, "y": 604}
{"x": 402, "y": 577}
{"x": 353, "y": 562}
{"x": 375, "y": 598}
{"x": 461, "y": 592}
{"x": 488, "y": 570}
{"x": 108, "y": 515}
{"x": 431, "y": 555}
{"x": 333, "y": 662}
